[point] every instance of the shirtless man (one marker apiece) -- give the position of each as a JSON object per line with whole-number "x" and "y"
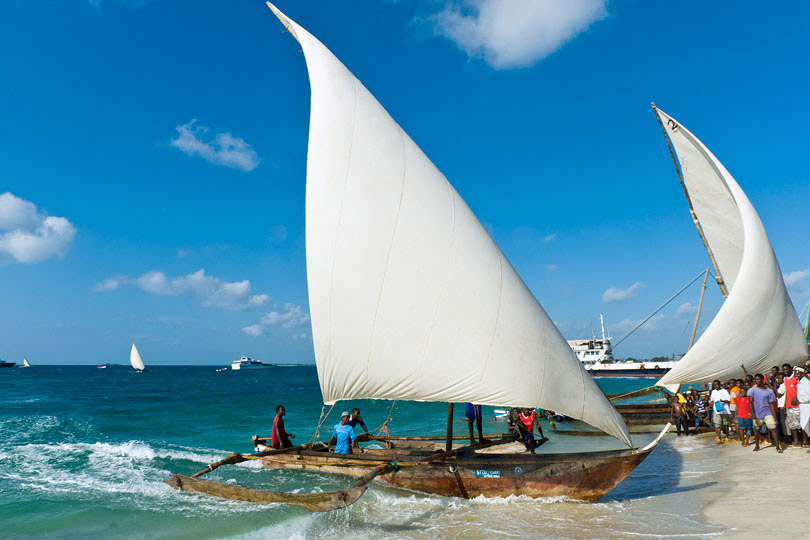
{"x": 676, "y": 414}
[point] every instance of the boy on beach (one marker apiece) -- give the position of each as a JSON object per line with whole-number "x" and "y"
{"x": 763, "y": 404}
{"x": 745, "y": 424}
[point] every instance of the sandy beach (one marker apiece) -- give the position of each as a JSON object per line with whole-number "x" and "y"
{"x": 768, "y": 493}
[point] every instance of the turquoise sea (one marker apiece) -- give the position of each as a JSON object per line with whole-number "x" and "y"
{"x": 84, "y": 452}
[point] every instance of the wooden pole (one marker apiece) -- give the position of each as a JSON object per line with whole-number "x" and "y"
{"x": 700, "y": 306}
{"x": 449, "y": 446}
{"x": 718, "y": 275}
{"x": 807, "y": 323}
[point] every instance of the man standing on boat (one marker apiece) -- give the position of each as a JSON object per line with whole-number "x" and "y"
{"x": 355, "y": 419}
{"x": 474, "y": 415}
{"x": 280, "y": 438}
{"x": 343, "y": 437}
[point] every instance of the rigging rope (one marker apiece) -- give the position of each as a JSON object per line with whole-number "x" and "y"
{"x": 321, "y": 420}
{"x": 382, "y": 429}
{"x": 662, "y": 306}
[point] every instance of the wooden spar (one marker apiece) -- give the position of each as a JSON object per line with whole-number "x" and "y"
{"x": 314, "y": 502}
{"x": 718, "y": 275}
{"x": 634, "y": 393}
{"x": 807, "y": 323}
{"x": 699, "y": 308}
{"x": 239, "y": 458}
{"x": 436, "y": 438}
{"x": 449, "y": 446}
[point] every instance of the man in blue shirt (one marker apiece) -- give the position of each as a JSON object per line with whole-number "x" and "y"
{"x": 343, "y": 438}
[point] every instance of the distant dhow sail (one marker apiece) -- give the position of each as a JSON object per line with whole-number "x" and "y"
{"x": 135, "y": 359}
{"x": 410, "y": 298}
{"x": 757, "y": 325}
{"x": 25, "y": 363}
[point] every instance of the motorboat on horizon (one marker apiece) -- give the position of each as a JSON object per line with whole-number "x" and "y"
{"x": 248, "y": 363}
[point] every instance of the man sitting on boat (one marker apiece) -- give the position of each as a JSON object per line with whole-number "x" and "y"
{"x": 280, "y": 438}
{"x": 355, "y": 419}
{"x": 526, "y": 422}
{"x": 343, "y": 437}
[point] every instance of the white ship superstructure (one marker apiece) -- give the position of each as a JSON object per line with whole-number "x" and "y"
{"x": 248, "y": 363}
{"x": 597, "y": 357}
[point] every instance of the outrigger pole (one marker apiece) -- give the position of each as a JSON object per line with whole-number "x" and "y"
{"x": 718, "y": 276}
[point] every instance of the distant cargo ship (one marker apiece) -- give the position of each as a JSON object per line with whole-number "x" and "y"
{"x": 597, "y": 357}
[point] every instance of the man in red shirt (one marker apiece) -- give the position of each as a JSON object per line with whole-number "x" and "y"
{"x": 791, "y": 411}
{"x": 280, "y": 438}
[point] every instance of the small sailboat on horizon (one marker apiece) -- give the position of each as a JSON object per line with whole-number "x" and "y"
{"x": 135, "y": 359}
{"x": 25, "y": 363}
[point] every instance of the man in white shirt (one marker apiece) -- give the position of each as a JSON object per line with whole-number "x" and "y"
{"x": 803, "y": 400}
{"x": 721, "y": 414}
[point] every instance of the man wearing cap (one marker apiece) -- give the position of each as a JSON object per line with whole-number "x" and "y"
{"x": 343, "y": 438}
{"x": 803, "y": 399}
{"x": 790, "y": 382}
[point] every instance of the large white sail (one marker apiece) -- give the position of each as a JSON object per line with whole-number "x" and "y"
{"x": 410, "y": 297}
{"x": 757, "y": 325}
{"x": 135, "y": 359}
{"x": 25, "y": 363}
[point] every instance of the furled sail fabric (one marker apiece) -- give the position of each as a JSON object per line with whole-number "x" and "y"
{"x": 135, "y": 359}
{"x": 757, "y": 325}
{"x": 410, "y": 297}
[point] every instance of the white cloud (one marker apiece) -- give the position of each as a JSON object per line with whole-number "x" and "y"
{"x": 515, "y": 33}
{"x": 300, "y": 337}
{"x": 291, "y": 316}
{"x": 254, "y": 330}
{"x": 224, "y": 149}
{"x": 549, "y": 238}
{"x": 552, "y": 267}
{"x": 794, "y": 278}
{"x": 214, "y": 292}
{"x": 30, "y": 236}
{"x": 107, "y": 285}
{"x": 685, "y": 310}
{"x": 614, "y": 294}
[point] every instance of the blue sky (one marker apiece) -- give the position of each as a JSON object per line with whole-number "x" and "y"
{"x": 153, "y": 160}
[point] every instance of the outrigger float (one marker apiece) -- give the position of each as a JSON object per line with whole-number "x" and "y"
{"x": 412, "y": 300}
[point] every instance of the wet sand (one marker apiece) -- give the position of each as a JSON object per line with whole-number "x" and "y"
{"x": 768, "y": 494}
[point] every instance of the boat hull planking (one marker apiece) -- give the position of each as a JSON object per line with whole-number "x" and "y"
{"x": 586, "y": 476}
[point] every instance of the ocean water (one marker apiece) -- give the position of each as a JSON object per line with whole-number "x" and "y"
{"x": 84, "y": 452}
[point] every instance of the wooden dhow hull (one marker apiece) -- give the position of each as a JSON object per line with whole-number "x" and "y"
{"x": 583, "y": 476}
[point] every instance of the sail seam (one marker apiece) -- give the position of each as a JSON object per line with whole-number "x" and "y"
{"x": 390, "y": 249}
{"x": 497, "y": 319}
{"x": 446, "y": 269}
{"x": 340, "y": 217}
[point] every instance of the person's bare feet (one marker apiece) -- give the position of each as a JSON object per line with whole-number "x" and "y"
{"x": 756, "y": 449}
{"x": 779, "y": 449}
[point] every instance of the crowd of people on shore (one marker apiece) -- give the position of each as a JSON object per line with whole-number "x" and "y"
{"x": 773, "y": 407}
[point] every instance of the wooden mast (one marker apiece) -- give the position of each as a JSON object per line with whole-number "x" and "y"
{"x": 700, "y": 306}
{"x": 717, "y": 274}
